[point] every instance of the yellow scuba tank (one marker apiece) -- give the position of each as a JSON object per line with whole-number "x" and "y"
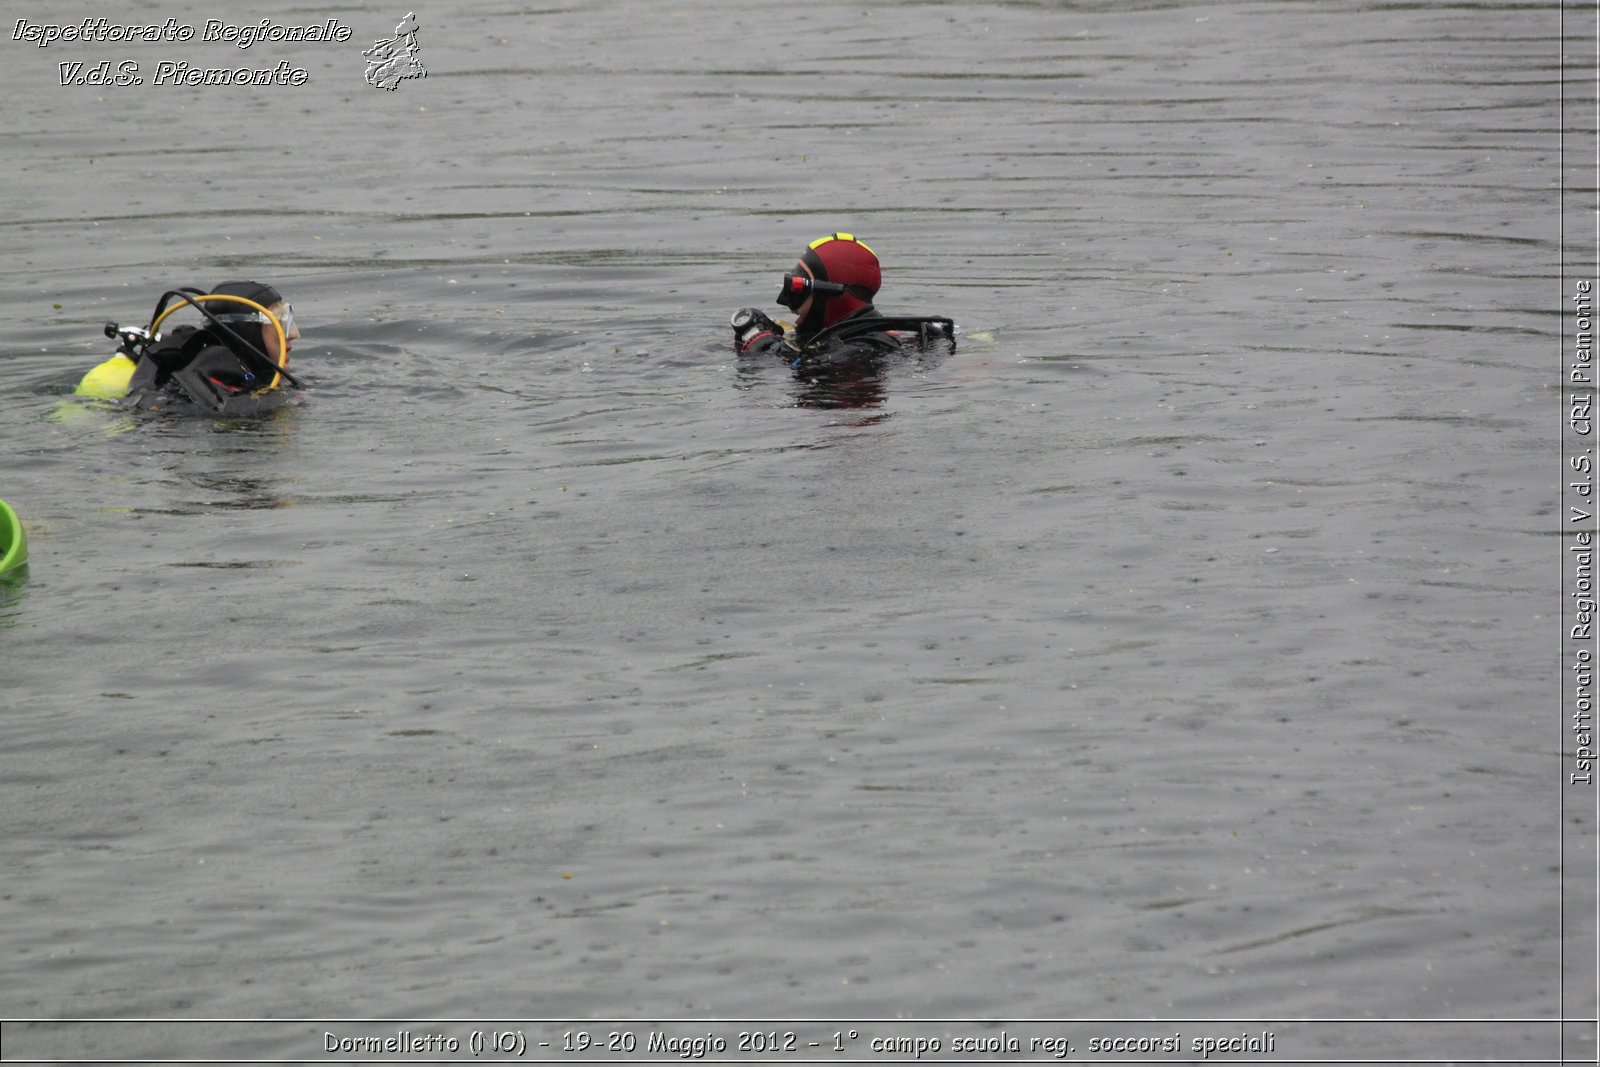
{"x": 109, "y": 380}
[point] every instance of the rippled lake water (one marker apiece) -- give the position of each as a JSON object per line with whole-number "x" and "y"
{"x": 1182, "y": 647}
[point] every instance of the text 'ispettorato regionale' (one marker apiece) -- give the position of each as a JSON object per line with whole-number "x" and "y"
{"x": 245, "y": 34}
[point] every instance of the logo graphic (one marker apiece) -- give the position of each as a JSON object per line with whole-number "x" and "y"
{"x": 393, "y": 61}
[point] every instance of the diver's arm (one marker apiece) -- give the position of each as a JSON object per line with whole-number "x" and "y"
{"x": 756, "y": 334}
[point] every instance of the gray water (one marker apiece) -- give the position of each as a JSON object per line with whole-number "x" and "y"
{"x": 1182, "y": 647}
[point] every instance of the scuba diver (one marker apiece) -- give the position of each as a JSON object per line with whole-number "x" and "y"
{"x": 235, "y": 362}
{"x": 836, "y": 326}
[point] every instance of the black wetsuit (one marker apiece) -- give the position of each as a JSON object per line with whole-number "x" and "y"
{"x": 190, "y": 369}
{"x": 857, "y": 339}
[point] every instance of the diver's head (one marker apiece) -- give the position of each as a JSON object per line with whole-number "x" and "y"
{"x": 233, "y": 313}
{"x": 837, "y": 275}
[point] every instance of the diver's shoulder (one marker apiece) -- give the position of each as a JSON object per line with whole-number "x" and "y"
{"x": 872, "y": 328}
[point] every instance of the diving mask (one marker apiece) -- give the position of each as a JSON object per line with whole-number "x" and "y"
{"x": 796, "y": 287}
{"x": 285, "y": 317}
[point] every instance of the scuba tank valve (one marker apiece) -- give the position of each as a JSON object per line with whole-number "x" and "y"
{"x": 131, "y": 335}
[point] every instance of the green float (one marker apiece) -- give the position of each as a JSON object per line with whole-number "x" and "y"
{"x": 13, "y": 540}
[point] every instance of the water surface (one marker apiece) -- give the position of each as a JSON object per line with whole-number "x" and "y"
{"x": 1180, "y": 647}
